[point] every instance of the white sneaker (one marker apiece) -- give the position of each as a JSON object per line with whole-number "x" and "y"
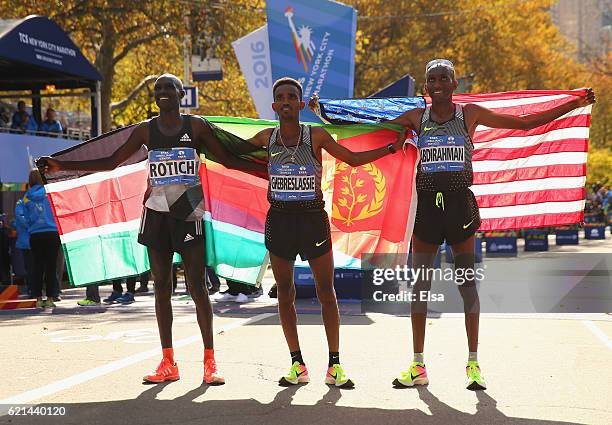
{"x": 241, "y": 298}
{"x": 219, "y": 297}
{"x": 256, "y": 294}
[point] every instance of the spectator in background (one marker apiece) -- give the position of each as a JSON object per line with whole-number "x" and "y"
{"x": 51, "y": 124}
{"x": 92, "y": 296}
{"x": 607, "y": 198}
{"x": 5, "y": 118}
{"x": 117, "y": 296}
{"x": 18, "y": 116}
{"x": 23, "y": 242}
{"x": 144, "y": 283}
{"x": 238, "y": 292}
{"x": 28, "y": 124}
{"x": 5, "y": 259}
{"x": 64, "y": 124}
{"x": 44, "y": 241}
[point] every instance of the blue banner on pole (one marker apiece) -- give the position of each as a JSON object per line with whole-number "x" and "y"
{"x": 313, "y": 41}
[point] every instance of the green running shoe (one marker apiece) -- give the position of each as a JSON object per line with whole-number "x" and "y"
{"x": 416, "y": 375}
{"x": 335, "y": 376}
{"x": 298, "y": 374}
{"x": 87, "y": 303}
{"x": 475, "y": 381}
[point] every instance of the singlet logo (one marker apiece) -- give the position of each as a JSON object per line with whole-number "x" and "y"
{"x": 185, "y": 138}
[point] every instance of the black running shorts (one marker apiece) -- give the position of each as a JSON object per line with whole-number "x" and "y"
{"x": 165, "y": 233}
{"x": 289, "y": 233}
{"x": 451, "y": 216}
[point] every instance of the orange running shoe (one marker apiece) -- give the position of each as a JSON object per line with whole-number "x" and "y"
{"x": 212, "y": 376}
{"x": 166, "y": 371}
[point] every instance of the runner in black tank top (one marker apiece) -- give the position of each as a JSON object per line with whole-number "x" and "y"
{"x": 447, "y": 209}
{"x": 172, "y": 217}
{"x": 298, "y": 224}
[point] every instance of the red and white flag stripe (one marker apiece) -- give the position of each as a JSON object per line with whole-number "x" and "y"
{"x": 530, "y": 178}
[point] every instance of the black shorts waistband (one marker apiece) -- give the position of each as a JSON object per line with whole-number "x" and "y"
{"x": 443, "y": 191}
{"x": 297, "y": 211}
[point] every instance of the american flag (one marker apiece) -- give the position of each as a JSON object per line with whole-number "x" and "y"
{"x": 522, "y": 178}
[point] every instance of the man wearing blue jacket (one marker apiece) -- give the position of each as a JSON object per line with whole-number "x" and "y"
{"x": 23, "y": 241}
{"x": 44, "y": 241}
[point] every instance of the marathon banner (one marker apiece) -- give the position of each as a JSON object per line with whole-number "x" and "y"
{"x": 313, "y": 41}
{"x": 253, "y": 54}
{"x": 371, "y": 207}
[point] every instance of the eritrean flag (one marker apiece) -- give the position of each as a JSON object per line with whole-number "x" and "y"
{"x": 98, "y": 215}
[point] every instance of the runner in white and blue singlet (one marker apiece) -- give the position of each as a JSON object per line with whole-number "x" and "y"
{"x": 447, "y": 209}
{"x": 298, "y": 224}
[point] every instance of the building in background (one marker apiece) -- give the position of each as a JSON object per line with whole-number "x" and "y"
{"x": 587, "y": 23}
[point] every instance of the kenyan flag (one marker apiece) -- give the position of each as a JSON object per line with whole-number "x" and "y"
{"x": 98, "y": 215}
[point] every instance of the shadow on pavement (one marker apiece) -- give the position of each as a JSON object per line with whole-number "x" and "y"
{"x": 147, "y": 409}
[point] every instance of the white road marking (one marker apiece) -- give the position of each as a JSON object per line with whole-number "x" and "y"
{"x": 108, "y": 322}
{"x": 57, "y": 332}
{"x": 598, "y": 333}
{"x": 96, "y": 372}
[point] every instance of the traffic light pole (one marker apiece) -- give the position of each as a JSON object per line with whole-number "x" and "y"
{"x": 186, "y": 59}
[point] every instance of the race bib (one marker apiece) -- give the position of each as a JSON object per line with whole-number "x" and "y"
{"x": 173, "y": 166}
{"x": 442, "y": 153}
{"x": 292, "y": 182}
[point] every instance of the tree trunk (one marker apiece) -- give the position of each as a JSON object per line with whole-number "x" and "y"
{"x": 108, "y": 76}
{"x": 105, "y": 65}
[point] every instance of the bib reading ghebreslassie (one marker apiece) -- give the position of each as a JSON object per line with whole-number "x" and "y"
{"x": 294, "y": 173}
{"x": 292, "y": 182}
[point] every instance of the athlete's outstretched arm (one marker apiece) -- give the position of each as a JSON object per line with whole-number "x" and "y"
{"x": 205, "y": 134}
{"x": 261, "y": 138}
{"x": 409, "y": 119}
{"x": 483, "y": 116}
{"x": 323, "y": 140}
{"x": 134, "y": 142}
